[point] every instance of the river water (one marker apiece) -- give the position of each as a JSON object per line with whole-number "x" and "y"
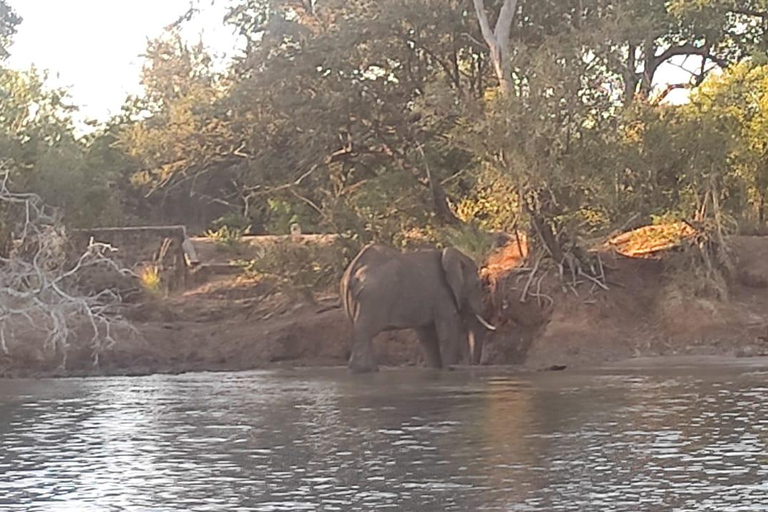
{"x": 631, "y": 440}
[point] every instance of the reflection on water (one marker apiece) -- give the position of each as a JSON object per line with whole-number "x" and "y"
{"x": 398, "y": 440}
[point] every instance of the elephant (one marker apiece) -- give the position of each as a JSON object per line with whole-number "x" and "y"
{"x": 438, "y": 293}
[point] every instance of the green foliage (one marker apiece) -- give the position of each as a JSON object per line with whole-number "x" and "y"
{"x": 233, "y": 221}
{"x": 302, "y": 269}
{"x": 9, "y": 21}
{"x": 376, "y": 118}
{"x": 381, "y": 121}
{"x": 150, "y": 281}
{"x": 44, "y": 155}
{"x": 472, "y": 241}
{"x": 282, "y": 214}
{"x": 493, "y": 202}
{"x": 226, "y": 237}
{"x": 736, "y": 103}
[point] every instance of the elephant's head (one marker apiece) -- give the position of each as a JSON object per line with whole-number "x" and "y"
{"x": 464, "y": 280}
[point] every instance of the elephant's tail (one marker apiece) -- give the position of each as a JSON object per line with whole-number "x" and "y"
{"x": 348, "y": 286}
{"x": 347, "y": 296}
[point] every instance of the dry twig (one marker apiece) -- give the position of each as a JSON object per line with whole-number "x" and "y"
{"x": 524, "y": 295}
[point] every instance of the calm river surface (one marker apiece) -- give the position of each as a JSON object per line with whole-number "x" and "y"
{"x": 630, "y": 440}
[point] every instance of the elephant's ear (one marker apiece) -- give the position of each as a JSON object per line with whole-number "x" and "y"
{"x": 453, "y": 265}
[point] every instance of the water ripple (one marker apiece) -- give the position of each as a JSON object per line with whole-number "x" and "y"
{"x": 405, "y": 440}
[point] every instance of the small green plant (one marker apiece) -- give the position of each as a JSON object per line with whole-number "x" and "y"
{"x": 282, "y": 214}
{"x": 226, "y": 236}
{"x": 149, "y": 278}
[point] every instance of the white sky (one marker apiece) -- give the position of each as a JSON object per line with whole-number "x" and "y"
{"x": 94, "y": 46}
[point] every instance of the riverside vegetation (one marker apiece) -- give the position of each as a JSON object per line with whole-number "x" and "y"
{"x": 411, "y": 123}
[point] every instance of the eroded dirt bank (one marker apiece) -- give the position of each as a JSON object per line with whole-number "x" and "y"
{"x": 231, "y": 323}
{"x": 646, "y": 312}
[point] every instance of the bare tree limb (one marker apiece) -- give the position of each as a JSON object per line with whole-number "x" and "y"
{"x": 39, "y": 287}
{"x": 667, "y": 91}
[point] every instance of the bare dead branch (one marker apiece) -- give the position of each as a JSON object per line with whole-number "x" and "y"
{"x": 39, "y": 286}
{"x": 524, "y": 295}
{"x": 597, "y": 282}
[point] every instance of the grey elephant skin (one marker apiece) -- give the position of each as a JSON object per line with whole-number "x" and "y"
{"x": 438, "y": 293}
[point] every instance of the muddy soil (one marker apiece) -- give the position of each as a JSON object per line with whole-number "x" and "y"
{"x": 229, "y": 322}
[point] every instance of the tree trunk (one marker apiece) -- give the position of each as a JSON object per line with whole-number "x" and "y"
{"x": 547, "y": 236}
{"x": 649, "y": 67}
{"x": 542, "y": 230}
{"x": 498, "y": 40}
{"x": 440, "y": 200}
{"x": 630, "y": 76}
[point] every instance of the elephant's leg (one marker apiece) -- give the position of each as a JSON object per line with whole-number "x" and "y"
{"x": 362, "y": 359}
{"x": 452, "y": 337}
{"x": 431, "y": 346}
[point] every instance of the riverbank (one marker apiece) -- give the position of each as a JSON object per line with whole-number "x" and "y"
{"x": 228, "y": 322}
{"x": 648, "y": 310}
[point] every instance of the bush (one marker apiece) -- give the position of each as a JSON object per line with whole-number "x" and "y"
{"x": 302, "y": 269}
{"x": 703, "y": 267}
{"x": 282, "y": 214}
{"x": 493, "y": 203}
{"x": 150, "y": 281}
{"x": 227, "y": 237}
{"x": 231, "y": 221}
{"x": 471, "y": 240}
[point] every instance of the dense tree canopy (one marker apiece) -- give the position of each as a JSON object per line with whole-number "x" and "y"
{"x": 389, "y": 117}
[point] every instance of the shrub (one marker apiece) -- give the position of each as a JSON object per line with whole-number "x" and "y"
{"x": 703, "y": 266}
{"x": 149, "y": 278}
{"x": 303, "y": 269}
{"x": 471, "y": 240}
{"x": 227, "y": 237}
{"x": 232, "y": 221}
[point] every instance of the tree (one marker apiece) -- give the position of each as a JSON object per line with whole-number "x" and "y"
{"x": 9, "y": 21}
{"x": 44, "y": 155}
{"x": 738, "y": 102}
{"x": 326, "y": 98}
{"x": 178, "y": 133}
{"x": 497, "y": 39}
{"x": 375, "y": 117}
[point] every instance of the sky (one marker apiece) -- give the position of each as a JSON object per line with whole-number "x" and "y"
{"x": 94, "y": 47}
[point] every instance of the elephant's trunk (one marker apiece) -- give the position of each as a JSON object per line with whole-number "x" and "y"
{"x": 484, "y": 323}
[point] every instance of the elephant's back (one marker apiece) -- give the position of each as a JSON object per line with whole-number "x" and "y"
{"x": 394, "y": 272}
{"x": 364, "y": 267}
{"x": 376, "y": 253}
